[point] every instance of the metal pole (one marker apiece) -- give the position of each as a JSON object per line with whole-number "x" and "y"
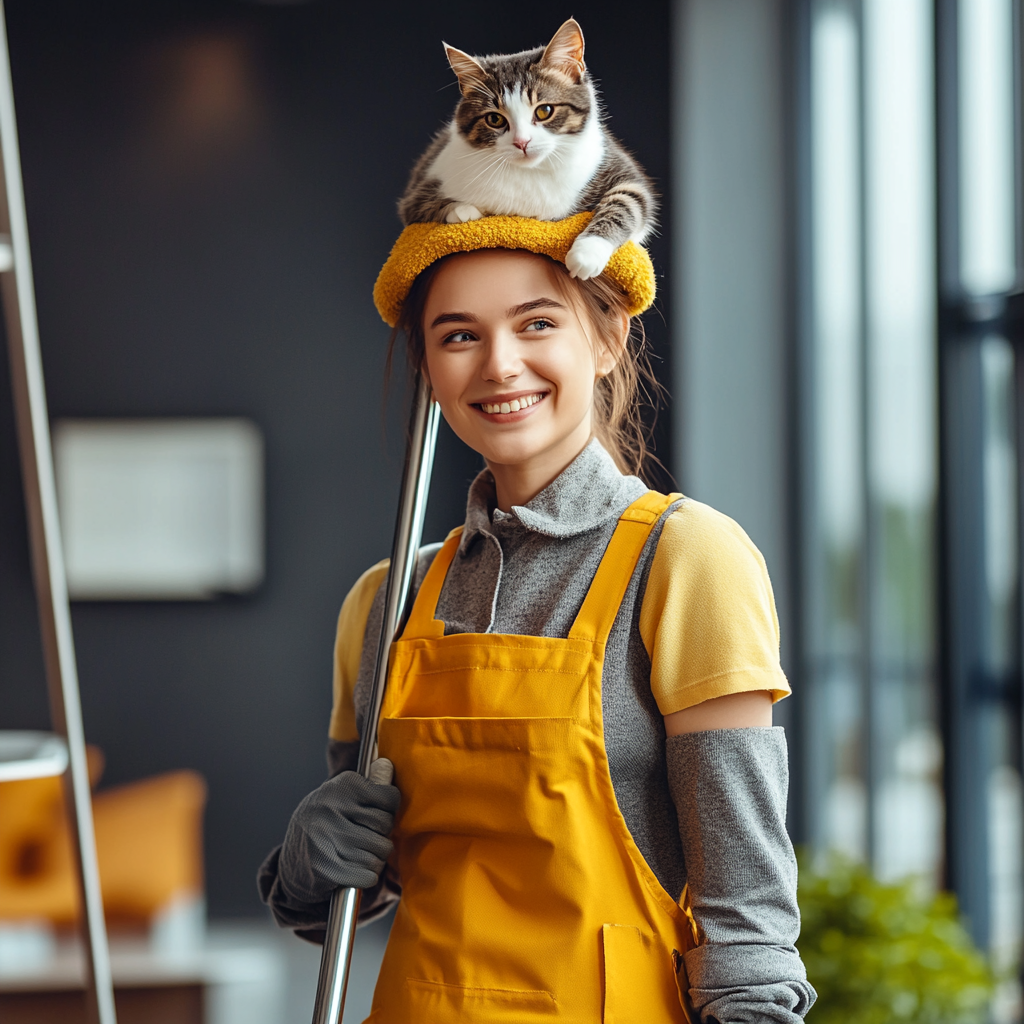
{"x": 419, "y": 460}
{"x": 44, "y": 535}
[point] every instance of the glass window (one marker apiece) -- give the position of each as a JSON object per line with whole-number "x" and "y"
{"x": 912, "y": 735}
{"x": 836, "y": 738}
{"x": 900, "y": 404}
{"x": 874, "y": 753}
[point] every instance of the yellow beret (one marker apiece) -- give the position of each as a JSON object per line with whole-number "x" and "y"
{"x": 419, "y": 245}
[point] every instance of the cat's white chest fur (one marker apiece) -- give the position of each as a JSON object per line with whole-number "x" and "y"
{"x": 496, "y": 183}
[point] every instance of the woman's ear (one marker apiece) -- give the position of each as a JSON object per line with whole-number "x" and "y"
{"x": 610, "y": 353}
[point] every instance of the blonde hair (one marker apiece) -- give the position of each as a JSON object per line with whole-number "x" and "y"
{"x": 620, "y": 398}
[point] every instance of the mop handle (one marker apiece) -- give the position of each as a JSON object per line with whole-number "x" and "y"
{"x": 419, "y": 460}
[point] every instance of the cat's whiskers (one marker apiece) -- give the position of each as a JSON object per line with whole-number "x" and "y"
{"x": 486, "y": 163}
{"x": 501, "y": 167}
{"x": 557, "y": 156}
{"x": 491, "y": 169}
{"x": 473, "y": 154}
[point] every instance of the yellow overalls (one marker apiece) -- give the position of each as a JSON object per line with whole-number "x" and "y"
{"x": 524, "y": 897}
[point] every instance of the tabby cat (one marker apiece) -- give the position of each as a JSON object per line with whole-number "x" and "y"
{"x": 527, "y": 139}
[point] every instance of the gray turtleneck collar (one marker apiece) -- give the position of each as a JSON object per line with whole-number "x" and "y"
{"x": 588, "y": 493}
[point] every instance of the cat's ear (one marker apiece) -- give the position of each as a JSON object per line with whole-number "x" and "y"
{"x": 565, "y": 51}
{"x": 472, "y": 77}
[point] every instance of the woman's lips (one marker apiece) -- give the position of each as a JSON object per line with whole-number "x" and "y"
{"x": 504, "y": 407}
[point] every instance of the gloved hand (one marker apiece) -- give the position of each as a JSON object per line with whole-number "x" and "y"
{"x": 338, "y": 835}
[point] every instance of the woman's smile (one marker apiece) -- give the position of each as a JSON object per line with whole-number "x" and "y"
{"x": 507, "y": 408}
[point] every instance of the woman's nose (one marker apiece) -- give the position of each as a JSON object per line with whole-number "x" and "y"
{"x": 502, "y": 361}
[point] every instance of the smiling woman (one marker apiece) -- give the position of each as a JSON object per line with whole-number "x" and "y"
{"x": 494, "y": 335}
{"x": 588, "y": 812}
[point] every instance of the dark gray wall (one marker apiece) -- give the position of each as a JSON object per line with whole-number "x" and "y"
{"x": 210, "y": 194}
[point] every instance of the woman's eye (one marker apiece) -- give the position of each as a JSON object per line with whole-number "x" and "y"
{"x": 540, "y": 325}
{"x": 544, "y": 111}
{"x": 457, "y": 337}
{"x": 494, "y": 120}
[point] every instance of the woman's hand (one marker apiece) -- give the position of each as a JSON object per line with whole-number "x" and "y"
{"x": 338, "y": 835}
{"x": 733, "y": 711}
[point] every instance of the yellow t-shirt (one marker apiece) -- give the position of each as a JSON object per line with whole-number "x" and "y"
{"x": 708, "y": 619}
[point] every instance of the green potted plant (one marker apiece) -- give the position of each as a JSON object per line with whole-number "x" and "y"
{"x": 883, "y": 953}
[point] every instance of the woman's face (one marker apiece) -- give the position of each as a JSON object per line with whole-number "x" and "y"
{"x": 509, "y": 360}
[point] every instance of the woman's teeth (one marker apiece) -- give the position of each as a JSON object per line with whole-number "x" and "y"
{"x": 514, "y": 406}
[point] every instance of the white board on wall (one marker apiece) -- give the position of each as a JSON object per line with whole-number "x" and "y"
{"x": 160, "y": 509}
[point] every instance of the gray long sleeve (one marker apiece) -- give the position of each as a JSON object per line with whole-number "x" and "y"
{"x": 309, "y": 920}
{"x": 730, "y": 788}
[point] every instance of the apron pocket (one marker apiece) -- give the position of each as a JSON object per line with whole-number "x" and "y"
{"x": 443, "y": 1002}
{"x": 638, "y": 984}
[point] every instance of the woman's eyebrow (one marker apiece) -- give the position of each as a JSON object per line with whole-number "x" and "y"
{"x": 453, "y": 318}
{"x": 529, "y": 307}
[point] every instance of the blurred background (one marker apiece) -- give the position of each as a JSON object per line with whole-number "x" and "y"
{"x": 211, "y": 191}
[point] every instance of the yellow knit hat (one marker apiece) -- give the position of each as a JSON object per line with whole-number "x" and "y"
{"x": 419, "y": 245}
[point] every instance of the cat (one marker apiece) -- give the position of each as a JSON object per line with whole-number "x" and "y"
{"x": 527, "y": 139}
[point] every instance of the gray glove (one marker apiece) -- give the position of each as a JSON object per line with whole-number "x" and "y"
{"x": 338, "y": 835}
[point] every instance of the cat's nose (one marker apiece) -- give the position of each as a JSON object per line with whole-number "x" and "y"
{"x": 521, "y": 144}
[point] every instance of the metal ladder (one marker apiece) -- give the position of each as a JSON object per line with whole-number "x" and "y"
{"x": 46, "y": 757}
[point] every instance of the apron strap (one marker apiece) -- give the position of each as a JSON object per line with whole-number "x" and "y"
{"x": 601, "y": 605}
{"x": 422, "y": 622}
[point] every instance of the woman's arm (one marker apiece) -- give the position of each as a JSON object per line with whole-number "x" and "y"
{"x": 355, "y": 651}
{"x": 752, "y": 709}
{"x": 730, "y": 787}
{"x": 709, "y": 623}
{"x": 306, "y": 915}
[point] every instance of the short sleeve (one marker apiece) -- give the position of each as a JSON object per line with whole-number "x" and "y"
{"x": 708, "y": 617}
{"x": 348, "y": 649}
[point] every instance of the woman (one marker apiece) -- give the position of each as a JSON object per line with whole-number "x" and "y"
{"x": 579, "y": 709}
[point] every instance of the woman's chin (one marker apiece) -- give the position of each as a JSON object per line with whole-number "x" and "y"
{"x": 523, "y": 452}
{"x": 511, "y": 454}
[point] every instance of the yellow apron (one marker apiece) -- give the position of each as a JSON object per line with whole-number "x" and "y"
{"x": 524, "y": 896}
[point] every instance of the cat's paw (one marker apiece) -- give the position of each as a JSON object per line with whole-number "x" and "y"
{"x": 463, "y": 212}
{"x": 588, "y": 256}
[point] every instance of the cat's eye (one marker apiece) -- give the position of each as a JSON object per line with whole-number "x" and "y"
{"x": 544, "y": 111}
{"x": 494, "y": 120}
